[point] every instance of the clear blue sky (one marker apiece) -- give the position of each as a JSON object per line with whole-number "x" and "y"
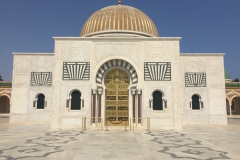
{"x": 206, "y": 26}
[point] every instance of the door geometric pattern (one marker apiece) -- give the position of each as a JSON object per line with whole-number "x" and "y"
{"x": 195, "y": 79}
{"x": 76, "y": 70}
{"x": 157, "y": 71}
{"x": 41, "y": 78}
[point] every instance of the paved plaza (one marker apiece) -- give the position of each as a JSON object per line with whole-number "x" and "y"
{"x": 39, "y": 141}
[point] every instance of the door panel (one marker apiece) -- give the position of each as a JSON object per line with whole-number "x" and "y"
{"x": 117, "y": 97}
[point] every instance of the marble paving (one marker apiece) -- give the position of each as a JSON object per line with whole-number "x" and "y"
{"x": 201, "y": 142}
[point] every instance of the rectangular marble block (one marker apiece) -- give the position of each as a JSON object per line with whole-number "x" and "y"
{"x": 197, "y": 119}
{"x": 19, "y": 118}
{"x": 19, "y": 100}
{"x": 71, "y": 122}
{"x": 218, "y": 119}
{"x": 39, "y": 118}
{"x": 159, "y": 123}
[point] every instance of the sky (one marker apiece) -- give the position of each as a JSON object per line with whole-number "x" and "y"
{"x": 206, "y": 26}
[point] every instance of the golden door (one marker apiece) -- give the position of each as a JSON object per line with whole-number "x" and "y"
{"x": 117, "y": 98}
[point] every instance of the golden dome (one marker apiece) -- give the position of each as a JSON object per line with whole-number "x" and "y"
{"x": 119, "y": 19}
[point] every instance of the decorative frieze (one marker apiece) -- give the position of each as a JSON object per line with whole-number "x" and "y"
{"x": 157, "y": 71}
{"x": 76, "y": 70}
{"x": 195, "y": 79}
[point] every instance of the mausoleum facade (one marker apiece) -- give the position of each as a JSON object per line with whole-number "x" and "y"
{"x": 118, "y": 70}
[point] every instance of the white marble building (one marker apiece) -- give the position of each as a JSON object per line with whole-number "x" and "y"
{"x": 119, "y": 68}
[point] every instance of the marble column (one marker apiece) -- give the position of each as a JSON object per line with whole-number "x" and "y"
{"x": 99, "y": 104}
{"x": 139, "y": 92}
{"x": 165, "y": 104}
{"x": 94, "y": 92}
{"x": 133, "y": 104}
{"x": 230, "y": 109}
{"x": 150, "y": 105}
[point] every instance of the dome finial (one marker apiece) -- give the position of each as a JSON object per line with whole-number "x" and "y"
{"x": 119, "y": 2}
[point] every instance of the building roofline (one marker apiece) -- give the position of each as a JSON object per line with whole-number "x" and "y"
{"x": 31, "y": 53}
{"x": 202, "y": 54}
{"x": 119, "y": 38}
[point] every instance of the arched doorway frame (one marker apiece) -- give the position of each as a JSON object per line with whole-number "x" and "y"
{"x": 230, "y": 95}
{"x": 102, "y": 72}
{"x": 118, "y": 63}
{"x": 6, "y": 93}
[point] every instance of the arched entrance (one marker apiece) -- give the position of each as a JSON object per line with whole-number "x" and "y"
{"x": 117, "y": 82}
{"x": 235, "y": 106}
{"x": 4, "y": 104}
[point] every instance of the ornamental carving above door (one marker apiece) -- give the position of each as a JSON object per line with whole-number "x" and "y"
{"x": 117, "y": 97}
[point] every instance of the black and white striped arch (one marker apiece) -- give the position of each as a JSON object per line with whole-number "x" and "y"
{"x": 196, "y": 79}
{"x": 41, "y": 78}
{"x": 157, "y": 71}
{"x": 76, "y": 70}
{"x": 116, "y": 63}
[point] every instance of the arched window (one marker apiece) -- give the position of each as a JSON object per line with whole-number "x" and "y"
{"x": 195, "y": 102}
{"x": 40, "y": 101}
{"x": 157, "y": 101}
{"x": 76, "y": 100}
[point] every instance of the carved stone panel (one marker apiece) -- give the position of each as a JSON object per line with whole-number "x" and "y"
{"x": 202, "y": 64}
{"x": 76, "y": 71}
{"x": 195, "y": 64}
{"x": 215, "y": 65}
{"x": 20, "y": 80}
{"x": 195, "y": 79}
{"x": 21, "y": 65}
{"x": 157, "y": 50}
{"x": 147, "y": 51}
{"x": 117, "y": 50}
{"x": 58, "y": 51}
{"x": 66, "y": 50}
{"x": 42, "y": 63}
{"x": 157, "y": 71}
{"x": 216, "y": 81}
{"x": 176, "y": 51}
{"x": 86, "y": 51}
{"x": 41, "y": 78}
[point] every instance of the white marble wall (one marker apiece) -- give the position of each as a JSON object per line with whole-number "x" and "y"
{"x": 23, "y": 94}
{"x": 212, "y": 96}
{"x": 135, "y": 51}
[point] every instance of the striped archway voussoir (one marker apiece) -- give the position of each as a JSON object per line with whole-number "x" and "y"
{"x": 116, "y": 63}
